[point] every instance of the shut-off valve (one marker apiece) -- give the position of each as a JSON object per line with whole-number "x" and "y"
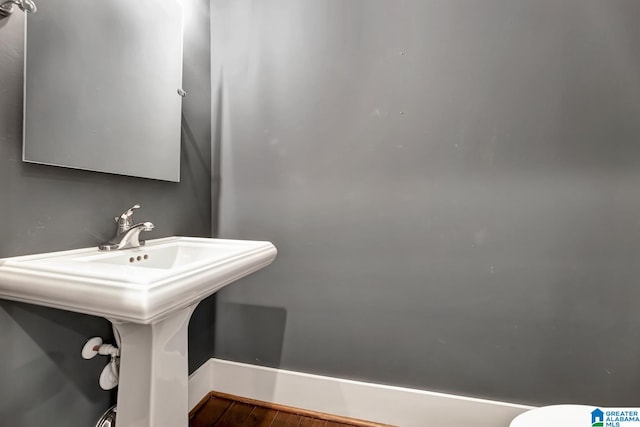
{"x": 109, "y": 375}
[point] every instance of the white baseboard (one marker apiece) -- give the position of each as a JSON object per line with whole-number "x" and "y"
{"x": 200, "y": 383}
{"x": 374, "y": 402}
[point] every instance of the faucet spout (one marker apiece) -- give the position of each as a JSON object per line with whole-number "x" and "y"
{"x": 128, "y": 239}
{"x": 127, "y": 235}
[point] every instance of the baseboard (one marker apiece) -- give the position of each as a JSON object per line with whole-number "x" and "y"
{"x": 375, "y": 402}
{"x": 200, "y": 383}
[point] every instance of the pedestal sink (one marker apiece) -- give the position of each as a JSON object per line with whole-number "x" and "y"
{"x": 149, "y": 294}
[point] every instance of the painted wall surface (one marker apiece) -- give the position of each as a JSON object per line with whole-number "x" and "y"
{"x": 43, "y": 379}
{"x": 453, "y": 188}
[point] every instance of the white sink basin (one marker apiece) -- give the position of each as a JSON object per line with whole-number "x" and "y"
{"x": 138, "y": 285}
{"x": 149, "y": 294}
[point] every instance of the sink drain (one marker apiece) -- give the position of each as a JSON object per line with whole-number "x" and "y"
{"x": 108, "y": 419}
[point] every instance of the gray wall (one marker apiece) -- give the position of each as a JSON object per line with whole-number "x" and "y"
{"x": 453, "y": 187}
{"x": 43, "y": 379}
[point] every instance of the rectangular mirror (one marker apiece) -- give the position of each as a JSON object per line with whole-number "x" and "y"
{"x": 102, "y": 83}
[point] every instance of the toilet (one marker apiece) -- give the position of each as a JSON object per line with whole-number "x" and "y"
{"x": 557, "y": 416}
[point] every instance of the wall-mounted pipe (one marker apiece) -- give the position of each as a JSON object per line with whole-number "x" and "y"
{"x": 27, "y": 6}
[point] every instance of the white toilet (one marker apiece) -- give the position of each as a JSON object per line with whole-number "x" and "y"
{"x": 556, "y": 416}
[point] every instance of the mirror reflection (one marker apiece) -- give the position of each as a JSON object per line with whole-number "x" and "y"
{"x": 102, "y": 83}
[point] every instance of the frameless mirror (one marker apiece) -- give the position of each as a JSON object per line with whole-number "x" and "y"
{"x": 102, "y": 86}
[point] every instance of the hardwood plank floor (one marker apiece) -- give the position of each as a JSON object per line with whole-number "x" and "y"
{"x": 209, "y": 413}
{"x": 235, "y": 416}
{"x": 260, "y": 417}
{"x": 222, "y": 410}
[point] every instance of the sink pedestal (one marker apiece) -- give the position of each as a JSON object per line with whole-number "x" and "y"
{"x": 153, "y": 388}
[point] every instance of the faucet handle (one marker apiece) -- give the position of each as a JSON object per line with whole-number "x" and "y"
{"x": 124, "y": 220}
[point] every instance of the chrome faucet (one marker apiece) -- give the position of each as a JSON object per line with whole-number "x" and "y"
{"x": 127, "y": 234}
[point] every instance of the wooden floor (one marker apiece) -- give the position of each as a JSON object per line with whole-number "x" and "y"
{"x": 222, "y": 410}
